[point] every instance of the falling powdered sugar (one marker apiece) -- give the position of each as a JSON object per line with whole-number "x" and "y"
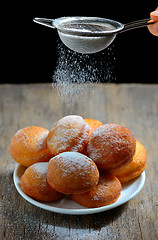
{"x": 75, "y": 73}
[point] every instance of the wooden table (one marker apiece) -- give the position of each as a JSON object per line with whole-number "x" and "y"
{"x": 130, "y": 105}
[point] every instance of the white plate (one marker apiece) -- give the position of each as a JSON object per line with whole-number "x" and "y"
{"x": 67, "y": 206}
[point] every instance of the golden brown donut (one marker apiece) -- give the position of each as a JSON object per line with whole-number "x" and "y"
{"x": 72, "y": 172}
{"x": 68, "y": 134}
{"x": 34, "y": 183}
{"x": 29, "y": 146}
{"x": 111, "y": 147}
{"x": 134, "y": 168}
{"x": 106, "y": 192}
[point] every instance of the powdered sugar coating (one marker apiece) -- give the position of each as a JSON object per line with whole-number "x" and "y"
{"x": 68, "y": 134}
{"x": 40, "y": 168}
{"x": 111, "y": 146}
{"x": 72, "y": 172}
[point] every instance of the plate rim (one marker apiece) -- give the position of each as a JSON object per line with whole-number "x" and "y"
{"x": 68, "y": 211}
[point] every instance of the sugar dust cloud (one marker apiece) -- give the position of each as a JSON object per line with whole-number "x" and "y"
{"x": 75, "y": 73}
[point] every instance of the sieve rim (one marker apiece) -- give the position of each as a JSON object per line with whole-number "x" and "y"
{"x": 59, "y": 23}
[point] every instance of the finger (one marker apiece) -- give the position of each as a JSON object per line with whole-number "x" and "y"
{"x": 154, "y": 15}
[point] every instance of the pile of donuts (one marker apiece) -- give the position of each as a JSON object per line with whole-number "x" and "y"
{"x": 79, "y": 158}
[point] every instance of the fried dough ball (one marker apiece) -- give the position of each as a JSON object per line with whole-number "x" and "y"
{"x": 93, "y": 124}
{"x": 72, "y": 172}
{"x": 34, "y": 183}
{"x": 29, "y": 146}
{"x": 106, "y": 192}
{"x": 111, "y": 147}
{"x": 134, "y": 168}
{"x": 68, "y": 134}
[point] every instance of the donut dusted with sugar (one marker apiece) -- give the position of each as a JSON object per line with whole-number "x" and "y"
{"x": 34, "y": 183}
{"x": 69, "y": 134}
{"x": 72, "y": 172}
{"x": 111, "y": 147}
{"x": 134, "y": 168}
{"x": 29, "y": 146}
{"x": 106, "y": 192}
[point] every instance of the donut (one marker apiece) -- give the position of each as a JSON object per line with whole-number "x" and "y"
{"x": 93, "y": 124}
{"x": 111, "y": 147}
{"x": 34, "y": 183}
{"x": 106, "y": 192}
{"x": 72, "y": 173}
{"x": 29, "y": 146}
{"x": 69, "y": 134}
{"x": 134, "y": 168}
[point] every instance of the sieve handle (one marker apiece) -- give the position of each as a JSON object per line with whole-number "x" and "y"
{"x": 44, "y": 21}
{"x": 137, "y": 24}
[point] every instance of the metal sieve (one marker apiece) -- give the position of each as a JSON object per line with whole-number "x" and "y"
{"x": 89, "y": 34}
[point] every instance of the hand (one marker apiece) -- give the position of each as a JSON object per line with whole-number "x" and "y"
{"x": 154, "y": 27}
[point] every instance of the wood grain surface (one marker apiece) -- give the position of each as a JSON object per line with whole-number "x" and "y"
{"x": 134, "y": 106}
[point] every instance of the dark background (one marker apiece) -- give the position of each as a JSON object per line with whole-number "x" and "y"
{"x": 31, "y": 51}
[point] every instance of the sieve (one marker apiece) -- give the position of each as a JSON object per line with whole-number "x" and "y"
{"x": 89, "y": 34}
